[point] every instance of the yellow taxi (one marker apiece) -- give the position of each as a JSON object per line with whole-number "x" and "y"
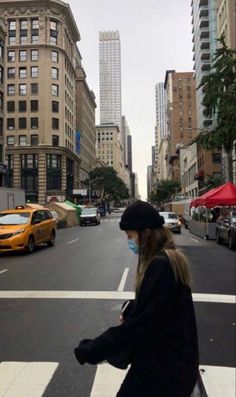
{"x": 24, "y": 228}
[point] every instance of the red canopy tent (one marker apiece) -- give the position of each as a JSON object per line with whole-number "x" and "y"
{"x": 224, "y": 195}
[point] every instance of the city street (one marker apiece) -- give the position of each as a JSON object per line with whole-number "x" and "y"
{"x": 52, "y": 299}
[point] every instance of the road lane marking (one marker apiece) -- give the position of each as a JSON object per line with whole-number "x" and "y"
{"x": 196, "y": 241}
{"x": 28, "y": 379}
{"x": 3, "y": 271}
{"x": 109, "y": 295}
{"x": 123, "y": 280}
{"x": 218, "y": 381}
{"x": 72, "y": 241}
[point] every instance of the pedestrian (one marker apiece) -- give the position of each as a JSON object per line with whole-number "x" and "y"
{"x": 157, "y": 335}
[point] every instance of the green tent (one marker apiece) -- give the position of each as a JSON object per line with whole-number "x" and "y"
{"x": 76, "y": 207}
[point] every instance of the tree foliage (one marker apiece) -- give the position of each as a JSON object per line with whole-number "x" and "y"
{"x": 112, "y": 185}
{"x": 219, "y": 101}
{"x": 164, "y": 190}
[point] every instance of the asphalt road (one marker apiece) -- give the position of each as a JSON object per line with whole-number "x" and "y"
{"x": 88, "y": 261}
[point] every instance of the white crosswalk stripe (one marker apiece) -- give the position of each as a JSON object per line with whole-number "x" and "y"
{"x": 218, "y": 381}
{"x": 30, "y": 379}
{"x": 25, "y": 379}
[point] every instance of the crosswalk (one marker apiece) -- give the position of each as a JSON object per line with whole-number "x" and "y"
{"x": 25, "y": 379}
{"x": 30, "y": 379}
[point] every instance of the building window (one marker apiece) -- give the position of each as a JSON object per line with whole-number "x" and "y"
{"x": 34, "y": 140}
{"x": 12, "y": 24}
{"x": 22, "y": 140}
{"x": 1, "y": 75}
{"x": 23, "y": 24}
{"x": 53, "y": 25}
{"x": 54, "y": 73}
{"x": 29, "y": 161}
{"x": 53, "y": 32}
{"x": 11, "y": 56}
{"x": 11, "y": 73}
{"x": 1, "y": 49}
{"x": 10, "y": 106}
{"x": 34, "y": 71}
{"x": 53, "y": 172}
{"x": 11, "y": 140}
{"x": 34, "y": 122}
{"x": 55, "y": 124}
{"x": 1, "y": 100}
{"x": 34, "y": 24}
{"x": 34, "y": 105}
{"x": 34, "y": 37}
{"x": 34, "y": 55}
{"x": 11, "y": 124}
{"x": 22, "y": 123}
{"x": 34, "y": 88}
{"x": 12, "y": 39}
{"x": 216, "y": 158}
{"x": 55, "y": 56}
{"x": 11, "y": 89}
{"x": 55, "y": 140}
{"x": 22, "y": 89}
{"x": 23, "y": 37}
{"x": 22, "y": 73}
{"x": 22, "y": 106}
{"x": 1, "y": 126}
{"x": 55, "y": 90}
{"x": 22, "y": 55}
{"x": 55, "y": 106}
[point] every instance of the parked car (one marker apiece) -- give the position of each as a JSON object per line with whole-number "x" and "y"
{"x": 24, "y": 228}
{"x": 90, "y": 216}
{"x": 171, "y": 221}
{"x": 226, "y": 230}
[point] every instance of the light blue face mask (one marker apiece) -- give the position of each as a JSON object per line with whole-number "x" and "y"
{"x": 133, "y": 245}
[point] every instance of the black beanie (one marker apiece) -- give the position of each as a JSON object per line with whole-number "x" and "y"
{"x": 139, "y": 216}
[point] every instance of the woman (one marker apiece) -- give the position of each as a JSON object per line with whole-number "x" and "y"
{"x": 157, "y": 334}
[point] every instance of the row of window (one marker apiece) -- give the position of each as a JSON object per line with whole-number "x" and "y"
{"x": 34, "y": 123}
{"x": 34, "y": 72}
{"x": 22, "y": 123}
{"x": 34, "y": 106}
{"x": 33, "y": 22}
{"x": 34, "y": 140}
{"x": 34, "y": 34}
{"x": 34, "y": 55}
{"x": 22, "y": 89}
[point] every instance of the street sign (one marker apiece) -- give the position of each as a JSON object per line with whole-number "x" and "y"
{"x": 81, "y": 192}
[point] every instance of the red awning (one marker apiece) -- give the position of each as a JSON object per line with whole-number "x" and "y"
{"x": 224, "y": 195}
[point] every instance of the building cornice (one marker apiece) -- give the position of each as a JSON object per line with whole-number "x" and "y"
{"x": 47, "y": 149}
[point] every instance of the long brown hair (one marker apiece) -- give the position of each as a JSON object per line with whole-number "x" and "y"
{"x": 151, "y": 243}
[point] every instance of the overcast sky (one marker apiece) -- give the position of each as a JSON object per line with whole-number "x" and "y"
{"x": 155, "y": 36}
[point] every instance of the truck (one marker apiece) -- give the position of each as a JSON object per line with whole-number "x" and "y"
{"x": 11, "y": 197}
{"x": 181, "y": 208}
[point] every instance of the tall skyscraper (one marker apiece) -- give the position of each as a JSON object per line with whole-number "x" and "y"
{"x": 110, "y": 78}
{"x": 161, "y": 120}
{"x": 205, "y": 43}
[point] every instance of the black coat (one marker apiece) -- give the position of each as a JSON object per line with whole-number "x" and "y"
{"x": 160, "y": 335}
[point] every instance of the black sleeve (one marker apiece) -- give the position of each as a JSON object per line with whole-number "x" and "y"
{"x": 153, "y": 308}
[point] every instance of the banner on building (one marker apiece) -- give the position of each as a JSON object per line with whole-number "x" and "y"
{"x": 77, "y": 141}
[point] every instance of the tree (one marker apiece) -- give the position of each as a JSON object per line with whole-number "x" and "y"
{"x": 164, "y": 190}
{"x": 113, "y": 186}
{"x": 219, "y": 101}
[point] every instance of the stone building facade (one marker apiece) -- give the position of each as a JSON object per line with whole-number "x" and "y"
{"x": 40, "y": 98}
{"x": 85, "y": 125}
